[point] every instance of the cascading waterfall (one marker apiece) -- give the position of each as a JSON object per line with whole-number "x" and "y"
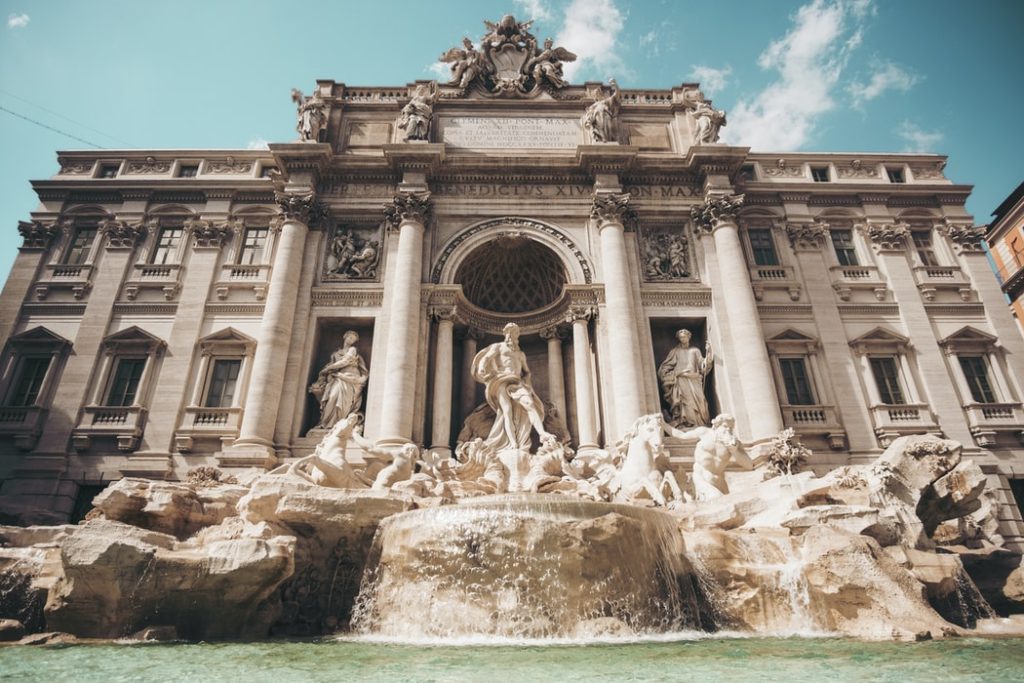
{"x": 527, "y": 566}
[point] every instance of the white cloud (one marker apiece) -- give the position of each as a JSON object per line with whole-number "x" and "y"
{"x": 258, "y": 143}
{"x": 809, "y": 60}
{"x": 648, "y": 38}
{"x": 884, "y": 76}
{"x": 591, "y": 30}
{"x": 17, "y": 20}
{"x": 917, "y": 139}
{"x": 535, "y": 9}
{"x": 441, "y": 71}
{"x": 711, "y": 79}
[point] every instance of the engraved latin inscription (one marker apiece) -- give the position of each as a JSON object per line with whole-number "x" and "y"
{"x": 504, "y": 132}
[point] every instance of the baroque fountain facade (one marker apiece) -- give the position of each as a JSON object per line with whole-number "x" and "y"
{"x": 507, "y": 357}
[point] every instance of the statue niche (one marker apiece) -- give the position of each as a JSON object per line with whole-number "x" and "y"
{"x": 336, "y": 390}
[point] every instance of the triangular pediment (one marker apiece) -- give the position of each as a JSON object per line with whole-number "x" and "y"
{"x": 39, "y": 335}
{"x": 792, "y": 335}
{"x": 969, "y": 334}
{"x": 228, "y": 334}
{"x": 134, "y": 336}
{"x": 880, "y": 335}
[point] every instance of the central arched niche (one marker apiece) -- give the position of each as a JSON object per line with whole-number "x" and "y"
{"x": 511, "y": 274}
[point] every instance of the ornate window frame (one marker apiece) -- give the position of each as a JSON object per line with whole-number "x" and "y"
{"x": 199, "y": 422}
{"x": 821, "y": 417}
{"x": 25, "y": 423}
{"x": 124, "y": 423}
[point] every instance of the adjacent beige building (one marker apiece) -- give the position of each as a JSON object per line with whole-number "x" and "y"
{"x": 170, "y": 309}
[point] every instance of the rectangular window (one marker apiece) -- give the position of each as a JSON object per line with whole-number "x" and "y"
{"x": 80, "y": 247}
{"x": 924, "y": 247}
{"x": 798, "y": 385}
{"x": 895, "y": 175}
{"x": 220, "y": 393}
{"x": 125, "y": 385}
{"x": 108, "y": 171}
{"x": 167, "y": 242}
{"x": 842, "y": 242}
{"x": 253, "y": 244}
{"x": 267, "y": 171}
{"x": 1017, "y": 249}
{"x": 747, "y": 172}
{"x": 29, "y": 381}
{"x": 976, "y": 373}
{"x": 887, "y": 379}
{"x": 819, "y": 174}
{"x": 762, "y": 247}
{"x": 188, "y": 170}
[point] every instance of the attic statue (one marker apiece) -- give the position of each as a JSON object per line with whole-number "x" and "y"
{"x": 600, "y": 117}
{"x": 418, "y": 114}
{"x": 312, "y": 115}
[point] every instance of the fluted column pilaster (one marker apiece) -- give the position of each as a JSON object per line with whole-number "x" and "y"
{"x": 440, "y": 433}
{"x": 583, "y": 378}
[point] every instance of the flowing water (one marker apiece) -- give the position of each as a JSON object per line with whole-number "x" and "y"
{"x": 670, "y": 658}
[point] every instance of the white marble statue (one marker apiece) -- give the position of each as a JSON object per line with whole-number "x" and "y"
{"x": 339, "y": 386}
{"x": 547, "y": 65}
{"x": 717, "y": 446}
{"x": 682, "y": 376}
{"x": 312, "y": 116}
{"x": 466, "y": 63}
{"x": 502, "y": 369}
{"x": 639, "y": 475}
{"x": 327, "y": 465}
{"x": 708, "y": 121}
{"x": 600, "y": 117}
{"x": 419, "y": 112}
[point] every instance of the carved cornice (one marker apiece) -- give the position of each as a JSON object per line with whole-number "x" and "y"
{"x": 965, "y": 238}
{"x": 209, "y": 235}
{"x": 715, "y": 211}
{"x": 695, "y": 298}
{"x": 122, "y": 234}
{"x": 351, "y": 298}
{"x": 411, "y": 207}
{"x": 302, "y": 207}
{"x": 612, "y": 209}
{"x": 38, "y": 235}
{"x": 807, "y": 236}
{"x": 888, "y": 236}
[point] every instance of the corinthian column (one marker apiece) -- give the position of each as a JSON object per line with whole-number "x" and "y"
{"x": 583, "y": 378}
{"x": 610, "y": 210}
{"x": 556, "y": 374}
{"x": 256, "y": 433}
{"x": 441, "y": 431}
{"x": 717, "y": 215}
{"x": 407, "y": 213}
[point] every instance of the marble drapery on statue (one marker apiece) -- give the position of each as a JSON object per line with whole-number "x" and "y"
{"x": 339, "y": 386}
{"x": 682, "y": 376}
{"x": 600, "y": 117}
{"x": 502, "y": 369}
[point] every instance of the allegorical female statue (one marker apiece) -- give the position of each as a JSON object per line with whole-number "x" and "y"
{"x": 339, "y": 386}
{"x": 682, "y": 382}
{"x": 600, "y": 117}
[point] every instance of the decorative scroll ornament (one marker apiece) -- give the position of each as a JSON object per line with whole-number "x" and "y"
{"x": 311, "y": 117}
{"x": 229, "y": 165}
{"x": 580, "y": 312}
{"x": 888, "y": 235}
{"x": 37, "y": 235}
{"x": 612, "y": 208}
{"x": 508, "y": 63}
{"x": 807, "y": 236}
{"x": 781, "y": 169}
{"x": 964, "y": 237}
{"x": 121, "y": 234}
{"x": 414, "y": 206}
{"x": 857, "y": 169}
{"x": 707, "y": 216}
{"x": 69, "y": 167}
{"x": 301, "y": 207}
{"x": 208, "y": 234}
{"x": 150, "y": 166}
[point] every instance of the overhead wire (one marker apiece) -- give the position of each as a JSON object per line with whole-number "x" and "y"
{"x": 55, "y": 130}
{"x": 66, "y": 118}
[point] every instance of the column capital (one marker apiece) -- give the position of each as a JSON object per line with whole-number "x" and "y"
{"x": 887, "y": 236}
{"x": 122, "y": 234}
{"x": 966, "y": 238}
{"x": 37, "y": 234}
{"x": 209, "y": 235}
{"x": 715, "y": 211}
{"x": 553, "y": 332}
{"x": 407, "y": 207}
{"x": 580, "y": 313}
{"x": 443, "y": 313}
{"x": 611, "y": 208}
{"x": 301, "y": 207}
{"x": 807, "y": 236}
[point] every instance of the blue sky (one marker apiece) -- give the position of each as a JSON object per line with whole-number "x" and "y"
{"x": 828, "y": 75}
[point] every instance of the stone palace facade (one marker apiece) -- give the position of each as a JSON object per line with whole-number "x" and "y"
{"x": 171, "y": 309}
